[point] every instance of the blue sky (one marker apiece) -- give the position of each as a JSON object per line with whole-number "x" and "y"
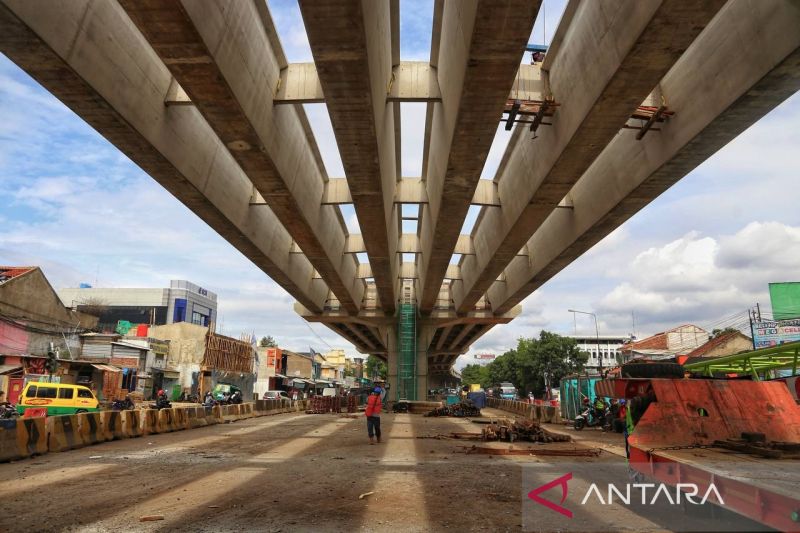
{"x": 706, "y": 249}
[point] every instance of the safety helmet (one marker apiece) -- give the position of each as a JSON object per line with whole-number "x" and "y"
{"x": 376, "y": 390}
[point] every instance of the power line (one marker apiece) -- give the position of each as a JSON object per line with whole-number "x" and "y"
{"x": 315, "y": 333}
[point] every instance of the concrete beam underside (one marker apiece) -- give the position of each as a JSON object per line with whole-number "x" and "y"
{"x": 352, "y": 47}
{"x": 93, "y": 59}
{"x": 629, "y": 174}
{"x": 480, "y": 48}
{"x": 612, "y": 57}
{"x": 222, "y": 57}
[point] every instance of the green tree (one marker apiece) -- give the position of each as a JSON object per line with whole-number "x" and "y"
{"x": 716, "y": 332}
{"x": 268, "y": 342}
{"x": 527, "y": 365}
{"x": 503, "y": 368}
{"x": 475, "y": 374}
{"x": 376, "y": 368}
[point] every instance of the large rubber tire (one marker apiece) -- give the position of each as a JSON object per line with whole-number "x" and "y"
{"x": 580, "y": 423}
{"x": 652, "y": 370}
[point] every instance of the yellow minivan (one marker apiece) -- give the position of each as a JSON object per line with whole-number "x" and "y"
{"x": 59, "y": 399}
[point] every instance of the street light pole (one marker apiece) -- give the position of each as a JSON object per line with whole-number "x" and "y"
{"x": 597, "y": 336}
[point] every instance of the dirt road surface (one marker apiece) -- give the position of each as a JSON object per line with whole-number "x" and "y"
{"x": 290, "y": 472}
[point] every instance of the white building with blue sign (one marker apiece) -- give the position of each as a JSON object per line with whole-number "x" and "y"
{"x": 182, "y": 301}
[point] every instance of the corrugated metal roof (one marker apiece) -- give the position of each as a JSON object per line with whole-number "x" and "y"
{"x": 11, "y": 272}
{"x": 107, "y": 368}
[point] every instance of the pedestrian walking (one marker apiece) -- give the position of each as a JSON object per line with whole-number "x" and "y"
{"x": 373, "y": 412}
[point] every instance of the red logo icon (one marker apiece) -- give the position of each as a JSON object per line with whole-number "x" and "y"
{"x": 534, "y": 495}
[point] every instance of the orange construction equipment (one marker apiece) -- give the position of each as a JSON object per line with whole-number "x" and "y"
{"x": 743, "y": 436}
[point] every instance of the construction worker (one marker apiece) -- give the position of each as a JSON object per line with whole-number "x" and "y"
{"x": 373, "y": 413}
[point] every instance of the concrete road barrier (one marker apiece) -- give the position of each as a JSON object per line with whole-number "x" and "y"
{"x": 197, "y": 417}
{"x": 149, "y": 421}
{"x": 112, "y": 425}
{"x": 132, "y": 423}
{"x": 181, "y": 416}
{"x": 91, "y": 429}
{"x": 62, "y": 433}
{"x": 166, "y": 420}
{"x": 20, "y": 438}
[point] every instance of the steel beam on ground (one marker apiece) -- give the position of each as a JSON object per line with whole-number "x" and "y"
{"x": 480, "y": 49}
{"x": 222, "y": 57}
{"x": 87, "y": 55}
{"x": 352, "y": 47}
{"x": 629, "y": 174}
{"x": 597, "y": 92}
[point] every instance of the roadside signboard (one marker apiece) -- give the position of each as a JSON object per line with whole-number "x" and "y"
{"x": 774, "y": 332}
{"x": 485, "y": 356}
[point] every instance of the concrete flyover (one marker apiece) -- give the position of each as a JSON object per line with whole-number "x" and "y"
{"x": 200, "y": 95}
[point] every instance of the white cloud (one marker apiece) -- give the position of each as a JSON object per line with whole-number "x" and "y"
{"x": 697, "y": 278}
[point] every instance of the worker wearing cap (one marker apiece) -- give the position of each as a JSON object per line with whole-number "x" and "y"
{"x": 373, "y": 412}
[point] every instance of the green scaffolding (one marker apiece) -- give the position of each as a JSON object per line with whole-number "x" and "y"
{"x": 407, "y": 353}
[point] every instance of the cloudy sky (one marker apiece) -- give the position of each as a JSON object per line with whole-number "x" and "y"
{"x": 703, "y": 252}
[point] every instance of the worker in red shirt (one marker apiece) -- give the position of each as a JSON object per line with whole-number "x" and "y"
{"x": 373, "y": 412}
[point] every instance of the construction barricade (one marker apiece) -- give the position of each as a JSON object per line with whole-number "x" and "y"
{"x": 90, "y": 428}
{"x": 166, "y": 421}
{"x": 181, "y": 416}
{"x": 149, "y": 421}
{"x": 20, "y": 438}
{"x": 197, "y": 417}
{"x": 62, "y": 433}
{"x": 132, "y": 423}
{"x": 112, "y": 425}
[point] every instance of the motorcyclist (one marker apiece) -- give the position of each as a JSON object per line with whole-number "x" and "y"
{"x": 598, "y": 408}
{"x": 162, "y": 402}
{"x": 208, "y": 399}
{"x": 236, "y": 397}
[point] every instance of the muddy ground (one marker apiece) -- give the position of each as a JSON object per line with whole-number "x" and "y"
{"x": 291, "y": 472}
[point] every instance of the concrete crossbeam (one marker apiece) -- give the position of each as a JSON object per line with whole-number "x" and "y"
{"x": 352, "y": 47}
{"x": 407, "y": 191}
{"x": 414, "y": 81}
{"x": 96, "y": 62}
{"x": 411, "y": 81}
{"x": 629, "y": 174}
{"x": 598, "y": 91}
{"x": 299, "y": 84}
{"x": 481, "y": 45}
{"x": 222, "y": 57}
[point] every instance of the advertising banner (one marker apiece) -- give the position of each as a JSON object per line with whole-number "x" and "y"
{"x": 774, "y": 332}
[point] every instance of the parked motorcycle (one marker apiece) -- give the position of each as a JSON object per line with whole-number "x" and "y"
{"x": 123, "y": 405}
{"x": 8, "y": 411}
{"x": 591, "y": 418}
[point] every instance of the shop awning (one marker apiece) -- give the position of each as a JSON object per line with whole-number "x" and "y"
{"x": 107, "y": 368}
{"x": 168, "y": 373}
{"x": 279, "y": 376}
{"x": 10, "y": 369}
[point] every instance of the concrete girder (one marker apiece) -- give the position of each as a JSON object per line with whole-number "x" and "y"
{"x": 629, "y": 174}
{"x": 222, "y": 57}
{"x": 352, "y": 48}
{"x": 480, "y": 49}
{"x": 612, "y": 57}
{"x": 90, "y": 57}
